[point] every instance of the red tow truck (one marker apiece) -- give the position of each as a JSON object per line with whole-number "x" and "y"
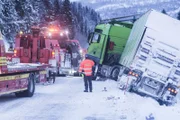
{"x": 36, "y": 48}
{"x": 71, "y": 53}
{"x": 49, "y": 45}
{"x": 19, "y": 78}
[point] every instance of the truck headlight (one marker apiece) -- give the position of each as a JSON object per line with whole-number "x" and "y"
{"x": 81, "y": 51}
{"x": 49, "y": 34}
{"x": 72, "y": 71}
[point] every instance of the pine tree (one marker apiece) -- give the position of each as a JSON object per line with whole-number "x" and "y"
{"x": 19, "y": 8}
{"x": 178, "y": 17}
{"x": 164, "y": 11}
{"x": 57, "y": 7}
{"x": 22, "y": 14}
{"x": 67, "y": 17}
{"x": 49, "y": 16}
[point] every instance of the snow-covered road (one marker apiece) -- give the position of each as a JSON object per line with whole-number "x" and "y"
{"x": 65, "y": 100}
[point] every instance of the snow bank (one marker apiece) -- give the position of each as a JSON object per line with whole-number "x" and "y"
{"x": 115, "y": 104}
{"x": 65, "y": 100}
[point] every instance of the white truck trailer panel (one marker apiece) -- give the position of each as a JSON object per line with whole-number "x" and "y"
{"x": 153, "y": 49}
{"x": 156, "y": 29}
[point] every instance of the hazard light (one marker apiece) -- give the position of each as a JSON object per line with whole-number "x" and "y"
{"x": 21, "y": 32}
{"x": 15, "y": 52}
{"x": 133, "y": 74}
{"x": 53, "y": 30}
{"x": 67, "y": 32}
{"x": 49, "y": 34}
{"x": 53, "y": 54}
{"x": 81, "y": 51}
{"x": 61, "y": 34}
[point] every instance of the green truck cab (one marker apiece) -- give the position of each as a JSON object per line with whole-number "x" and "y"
{"x": 106, "y": 45}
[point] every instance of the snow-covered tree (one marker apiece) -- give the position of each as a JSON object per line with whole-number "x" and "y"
{"x": 164, "y": 11}
{"x": 178, "y": 17}
{"x": 67, "y": 18}
{"x": 16, "y": 15}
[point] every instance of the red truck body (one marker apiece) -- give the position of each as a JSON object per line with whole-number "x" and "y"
{"x": 50, "y": 46}
{"x": 19, "y": 78}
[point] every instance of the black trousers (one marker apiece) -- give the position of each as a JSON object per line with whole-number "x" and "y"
{"x": 88, "y": 82}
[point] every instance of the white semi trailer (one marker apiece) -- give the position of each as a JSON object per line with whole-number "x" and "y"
{"x": 150, "y": 62}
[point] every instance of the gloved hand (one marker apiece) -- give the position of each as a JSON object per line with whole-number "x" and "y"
{"x": 81, "y": 74}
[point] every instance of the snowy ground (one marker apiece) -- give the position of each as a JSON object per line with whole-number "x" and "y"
{"x": 65, "y": 100}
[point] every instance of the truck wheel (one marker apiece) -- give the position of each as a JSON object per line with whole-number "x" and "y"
{"x": 30, "y": 90}
{"x": 115, "y": 73}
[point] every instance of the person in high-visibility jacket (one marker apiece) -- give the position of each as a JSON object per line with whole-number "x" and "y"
{"x": 86, "y": 68}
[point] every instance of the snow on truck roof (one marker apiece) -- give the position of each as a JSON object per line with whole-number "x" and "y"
{"x": 166, "y": 27}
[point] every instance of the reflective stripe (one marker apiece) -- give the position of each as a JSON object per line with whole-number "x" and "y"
{"x": 14, "y": 77}
{"x": 13, "y": 91}
{"x": 87, "y": 68}
{"x": 87, "y": 72}
{"x": 3, "y": 61}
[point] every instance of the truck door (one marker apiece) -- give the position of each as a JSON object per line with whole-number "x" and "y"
{"x": 97, "y": 46}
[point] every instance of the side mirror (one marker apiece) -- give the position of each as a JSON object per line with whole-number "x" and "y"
{"x": 90, "y": 37}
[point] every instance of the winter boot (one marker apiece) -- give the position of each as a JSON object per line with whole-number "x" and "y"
{"x": 85, "y": 90}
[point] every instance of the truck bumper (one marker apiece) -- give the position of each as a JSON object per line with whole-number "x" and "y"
{"x": 156, "y": 90}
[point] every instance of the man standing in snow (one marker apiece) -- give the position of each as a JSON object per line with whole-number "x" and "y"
{"x": 86, "y": 67}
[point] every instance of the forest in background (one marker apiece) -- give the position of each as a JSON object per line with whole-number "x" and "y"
{"x": 21, "y": 15}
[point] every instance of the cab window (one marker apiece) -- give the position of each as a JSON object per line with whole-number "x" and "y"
{"x": 96, "y": 38}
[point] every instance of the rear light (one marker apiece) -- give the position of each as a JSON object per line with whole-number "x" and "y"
{"x": 133, "y": 74}
{"x": 53, "y": 54}
{"x": 136, "y": 75}
{"x": 172, "y": 90}
{"x": 130, "y": 73}
{"x": 15, "y": 52}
